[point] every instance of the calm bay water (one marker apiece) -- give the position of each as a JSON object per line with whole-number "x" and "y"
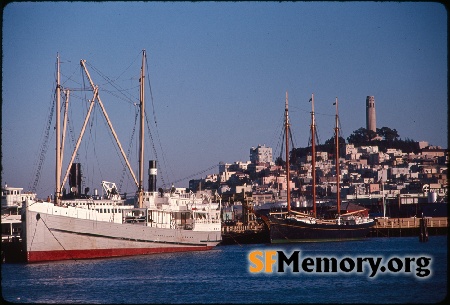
{"x": 222, "y": 276}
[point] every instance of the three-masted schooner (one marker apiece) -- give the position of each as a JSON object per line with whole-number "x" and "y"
{"x": 84, "y": 227}
{"x": 293, "y": 226}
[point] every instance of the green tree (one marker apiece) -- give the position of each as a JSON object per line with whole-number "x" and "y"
{"x": 280, "y": 162}
{"x": 370, "y": 134}
{"x": 358, "y": 137}
{"x": 388, "y": 134}
{"x": 330, "y": 142}
{"x": 391, "y": 139}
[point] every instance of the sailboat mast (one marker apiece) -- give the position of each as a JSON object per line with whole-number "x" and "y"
{"x": 141, "y": 133}
{"x": 313, "y": 156}
{"x": 338, "y": 193}
{"x": 58, "y": 136}
{"x": 287, "y": 155}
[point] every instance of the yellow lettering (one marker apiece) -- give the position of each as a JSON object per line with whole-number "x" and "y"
{"x": 269, "y": 260}
{"x": 254, "y": 259}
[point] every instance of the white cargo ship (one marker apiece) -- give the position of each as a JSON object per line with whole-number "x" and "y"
{"x": 80, "y": 226}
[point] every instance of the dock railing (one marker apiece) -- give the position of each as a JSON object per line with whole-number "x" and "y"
{"x": 239, "y": 227}
{"x": 412, "y": 222}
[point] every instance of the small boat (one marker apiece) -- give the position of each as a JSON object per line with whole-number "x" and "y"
{"x": 292, "y": 226}
{"x": 82, "y": 226}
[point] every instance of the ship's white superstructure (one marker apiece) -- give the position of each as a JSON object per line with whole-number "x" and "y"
{"x": 14, "y": 196}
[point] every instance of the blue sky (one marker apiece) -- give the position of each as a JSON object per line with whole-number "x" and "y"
{"x": 218, "y": 74}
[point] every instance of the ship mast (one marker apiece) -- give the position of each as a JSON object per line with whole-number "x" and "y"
{"x": 58, "y": 136}
{"x": 96, "y": 96}
{"x": 83, "y": 128}
{"x": 286, "y": 126}
{"x": 313, "y": 156}
{"x": 336, "y": 129}
{"x": 141, "y": 133}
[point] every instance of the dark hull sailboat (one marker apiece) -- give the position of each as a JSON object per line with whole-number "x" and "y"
{"x": 291, "y": 226}
{"x": 291, "y": 230}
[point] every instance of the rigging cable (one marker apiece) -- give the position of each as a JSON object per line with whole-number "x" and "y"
{"x": 34, "y": 234}
{"x": 280, "y": 141}
{"x": 54, "y": 236}
{"x": 154, "y": 148}
{"x": 113, "y": 141}
{"x": 156, "y": 127}
{"x": 124, "y": 171}
{"x": 150, "y": 86}
{"x": 317, "y": 114}
{"x": 124, "y": 97}
{"x": 196, "y": 174}
{"x": 44, "y": 147}
{"x": 117, "y": 88}
{"x": 94, "y": 141}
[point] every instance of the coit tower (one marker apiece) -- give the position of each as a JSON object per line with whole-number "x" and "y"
{"x": 371, "y": 122}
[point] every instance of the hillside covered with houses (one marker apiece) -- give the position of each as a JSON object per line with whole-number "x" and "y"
{"x": 389, "y": 183}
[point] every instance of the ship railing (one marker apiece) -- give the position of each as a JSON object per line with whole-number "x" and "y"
{"x": 205, "y": 220}
{"x": 242, "y": 228}
{"x": 11, "y": 238}
{"x": 300, "y": 214}
{"x": 134, "y": 219}
{"x": 10, "y": 217}
{"x": 278, "y": 213}
{"x": 438, "y": 222}
{"x": 186, "y": 227}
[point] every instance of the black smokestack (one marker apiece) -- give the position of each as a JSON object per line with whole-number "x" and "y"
{"x": 75, "y": 178}
{"x": 152, "y": 175}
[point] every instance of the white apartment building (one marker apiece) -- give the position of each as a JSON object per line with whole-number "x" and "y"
{"x": 261, "y": 154}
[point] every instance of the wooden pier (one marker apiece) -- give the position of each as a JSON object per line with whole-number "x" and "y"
{"x": 403, "y": 227}
{"x": 389, "y": 227}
